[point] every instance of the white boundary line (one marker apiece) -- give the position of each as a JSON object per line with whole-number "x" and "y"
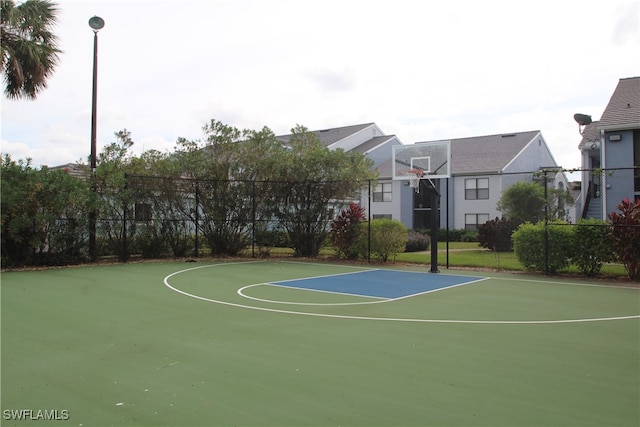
{"x": 387, "y": 319}
{"x": 241, "y": 293}
{"x": 381, "y": 299}
{"x": 552, "y": 282}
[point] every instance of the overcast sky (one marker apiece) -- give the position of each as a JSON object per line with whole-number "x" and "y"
{"x": 421, "y": 69}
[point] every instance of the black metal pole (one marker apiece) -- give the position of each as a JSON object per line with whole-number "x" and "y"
{"x": 546, "y": 227}
{"x": 125, "y": 249}
{"x": 253, "y": 219}
{"x": 447, "y": 222}
{"x": 94, "y": 99}
{"x": 434, "y": 229}
{"x": 196, "y": 219}
{"x": 369, "y": 226}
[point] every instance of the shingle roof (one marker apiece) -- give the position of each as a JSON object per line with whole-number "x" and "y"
{"x": 329, "y": 136}
{"x": 490, "y": 153}
{"x": 385, "y": 170}
{"x": 623, "y": 109}
{"x": 372, "y": 143}
{"x": 73, "y": 169}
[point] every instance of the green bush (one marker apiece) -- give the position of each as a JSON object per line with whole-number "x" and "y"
{"x": 468, "y": 236}
{"x": 529, "y": 246}
{"x": 388, "y": 238}
{"x": 417, "y": 242}
{"x": 272, "y": 238}
{"x": 150, "y": 243}
{"x": 592, "y": 246}
{"x": 453, "y": 235}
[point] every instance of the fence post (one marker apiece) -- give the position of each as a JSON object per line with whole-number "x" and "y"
{"x": 307, "y": 220}
{"x": 125, "y": 249}
{"x": 197, "y": 219}
{"x": 369, "y": 227}
{"x": 253, "y": 219}
{"x": 546, "y": 226}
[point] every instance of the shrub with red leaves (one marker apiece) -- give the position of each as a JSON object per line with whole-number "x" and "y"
{"x": 625, "y": 231}
{"x": 345, "y": 230}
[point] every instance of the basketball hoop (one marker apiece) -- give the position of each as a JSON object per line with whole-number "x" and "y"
{"x": 414, "y": 178}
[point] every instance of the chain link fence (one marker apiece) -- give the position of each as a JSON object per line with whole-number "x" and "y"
{"x": 182, "y": 217}
{"x": 164, "y": 217}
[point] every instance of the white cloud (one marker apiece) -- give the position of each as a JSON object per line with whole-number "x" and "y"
{"x": 420, "y": 69}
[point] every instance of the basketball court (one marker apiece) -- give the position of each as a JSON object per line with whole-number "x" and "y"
{"x": 309, "y": 343}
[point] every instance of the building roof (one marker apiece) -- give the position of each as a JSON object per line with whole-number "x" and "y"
{"x": 623, "y": 109}
{"x": 372, "y": 143}
{"x": 490, "y": 153}
{"x": 332, "y": 135}
{"x": 73, "y": 169}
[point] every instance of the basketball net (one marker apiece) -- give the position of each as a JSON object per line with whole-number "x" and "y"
{"x": 414, "y": 178}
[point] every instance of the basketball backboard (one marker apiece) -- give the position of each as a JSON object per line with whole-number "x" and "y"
{"x": 434, "y": 158}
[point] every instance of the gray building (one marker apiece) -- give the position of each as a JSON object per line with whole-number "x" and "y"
{"x": 482, "y": 168}
{"x": 612, "y": 144}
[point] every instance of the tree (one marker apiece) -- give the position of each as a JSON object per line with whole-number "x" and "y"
{"x": 625, "y": 231}
{"x": 496, "y": 234}
{"x": 42, "y": 215}
{"x": 523, "y": 201}
{"x": 313, "y": 181}
{"x": 113, "y": 163}
{"x": 153, "y": 185}
{"x": 28, "y": 51}
{"x": 231, "y": 167}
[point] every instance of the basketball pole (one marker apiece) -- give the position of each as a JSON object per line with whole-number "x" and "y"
{"x": 434, "y": 199}
{"x": 435, "y": 196}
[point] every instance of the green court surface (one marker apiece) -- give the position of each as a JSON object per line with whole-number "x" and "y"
{"x": 207, "y": 344}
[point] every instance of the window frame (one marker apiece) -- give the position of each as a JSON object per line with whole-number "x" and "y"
{"x": 474, "y": 226}
{"x": 383, "y": 192}
{"x": 476, "y": 192}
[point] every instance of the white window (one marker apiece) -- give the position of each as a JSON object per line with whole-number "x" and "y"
{"x": 383, "y": 192}
{"x": 472, "y": 221}
{"x": 476, "y": 188}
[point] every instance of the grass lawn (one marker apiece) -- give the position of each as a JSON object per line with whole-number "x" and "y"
{"x": 464, "y": 255}
{"x": 461, "y": 254}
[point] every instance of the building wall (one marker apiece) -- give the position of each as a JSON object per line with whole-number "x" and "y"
{"x": 393, "y": 207}
{"x": 534, "y": 156}
{"x": 382, "y": 153}
{"x": 462, "y": 206}
{"x": 405, "y": 211}
{"x": 617, "y": 185}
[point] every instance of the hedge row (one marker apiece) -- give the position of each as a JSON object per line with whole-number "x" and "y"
{"x": 552, "y": 247}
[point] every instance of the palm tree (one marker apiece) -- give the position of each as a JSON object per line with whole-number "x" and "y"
{"x": 28, "y": 50}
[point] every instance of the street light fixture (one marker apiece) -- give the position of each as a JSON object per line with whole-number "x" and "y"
{"x": 583, "y": 120}
{"x": 96, "y": 23}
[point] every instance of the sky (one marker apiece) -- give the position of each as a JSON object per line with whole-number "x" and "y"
{"x": 420, "y": 69}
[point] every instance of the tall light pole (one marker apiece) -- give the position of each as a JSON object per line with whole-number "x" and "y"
{"x": 96, "y": 23}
